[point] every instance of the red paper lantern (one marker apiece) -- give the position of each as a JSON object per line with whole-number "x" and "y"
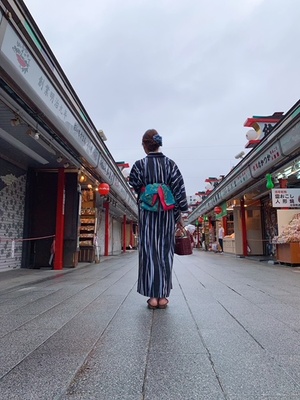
{"x": 103, "y": 189}
{"x": 200, "y": 220}
{"x": 218, "y": 210}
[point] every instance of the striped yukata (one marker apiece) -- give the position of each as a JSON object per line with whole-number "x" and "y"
{"x": 157, "y": 229}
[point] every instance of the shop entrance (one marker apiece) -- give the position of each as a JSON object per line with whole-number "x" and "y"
{"x": 40, "y": 219}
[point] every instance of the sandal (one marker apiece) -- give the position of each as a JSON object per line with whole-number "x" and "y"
{"x": 151, "y": 305}
{"x": 164, "y": 304}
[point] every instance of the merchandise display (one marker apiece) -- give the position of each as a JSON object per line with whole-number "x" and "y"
{"x": 290, "y": 233}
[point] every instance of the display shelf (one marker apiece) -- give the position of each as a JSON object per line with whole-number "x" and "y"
{"x": 87, "y": 229}
{"x": 229, "y": 245}
{"x": 230, "y": 227}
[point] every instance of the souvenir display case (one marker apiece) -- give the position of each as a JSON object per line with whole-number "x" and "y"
{"x": 288, "y": 239}
{"x": 87, "y": 227}
{"x": 229, "y": 243}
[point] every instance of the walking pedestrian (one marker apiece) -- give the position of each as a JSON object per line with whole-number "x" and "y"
{"x": 221, "y": 236}
{"x": 160, "y": 188}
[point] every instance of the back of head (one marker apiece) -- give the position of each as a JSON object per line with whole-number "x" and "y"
{"x": 151, "y": 140}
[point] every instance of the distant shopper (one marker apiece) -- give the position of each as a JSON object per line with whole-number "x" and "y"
{"x": 221, "y": 236}
{"x": 161, "y": 198}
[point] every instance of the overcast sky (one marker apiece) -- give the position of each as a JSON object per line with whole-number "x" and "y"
{"x": 195, "y": 70}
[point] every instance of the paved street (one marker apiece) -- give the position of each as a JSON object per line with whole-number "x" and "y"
{"x": 231, "y": 331}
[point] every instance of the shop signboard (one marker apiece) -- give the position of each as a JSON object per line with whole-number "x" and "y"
{"x": 286, "y": 198}
{"x": 26, "y": 68}
{"x": 291, "y": 140}
{"x": 20, "y": 58}
{"x": 236, "y": 184}
{"x": 266, "y": 160}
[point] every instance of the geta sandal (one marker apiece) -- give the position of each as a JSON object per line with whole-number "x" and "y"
{"x": 151, "y": 306}
{"x": 164, "y": 304}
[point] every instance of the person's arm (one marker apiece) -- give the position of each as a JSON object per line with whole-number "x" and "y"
{"x": 135, "y": 178}
{"x": 178, "y": 189}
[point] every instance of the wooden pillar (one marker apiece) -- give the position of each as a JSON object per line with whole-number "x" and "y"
{"x": 244, "y": 228}
{"x": 106, "y": 229}
{"x": 60, "y": 221}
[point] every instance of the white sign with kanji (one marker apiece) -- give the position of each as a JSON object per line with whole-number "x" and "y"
{"x": 289, "y": 198}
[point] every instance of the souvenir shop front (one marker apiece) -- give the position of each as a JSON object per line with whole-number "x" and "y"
{"x": 250, "y": 215}
{"x": 53, "y": 161}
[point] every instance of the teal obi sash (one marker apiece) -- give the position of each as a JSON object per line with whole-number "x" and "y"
{"x": 156, "y": 193}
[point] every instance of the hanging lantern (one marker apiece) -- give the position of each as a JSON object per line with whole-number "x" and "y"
{"x": 200, "y": 220}
{"x": 269, "y": 184}
{"x": 218, "y": 210}
{"x": 82, "y": 178}
{"x": 103, "y": 189}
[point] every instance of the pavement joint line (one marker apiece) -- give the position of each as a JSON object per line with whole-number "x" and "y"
{"x": 203, "y": 342}
{"x": 147, "y": 358}
{"x": 84, "y": 365}
{"x": 267, "y": 294}
{"x": 56, "y": 274}
{"x": 93, "y": 346}
{"x": 68, "y": 298}
{"x": 245, "y": 329}
{"x": 43, "y": 279}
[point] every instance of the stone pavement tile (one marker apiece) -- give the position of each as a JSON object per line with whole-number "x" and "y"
{"x": 115, "y": 368}
{"x": 126, "y": 333}
{"x": 227, "y": 341}
{"x": 89, "y": 395}
{"x": 290, "y": 364}
{"x": 18, "y": 345}
{"x": 181, "y": 377}
{"x": 254, "y": 375}
{"x": 47, "y": 372}
{"x": 36, "y": 299}
{"x": 277, "y": 340}
{"x": 212, "y": 316}
{"x": 25, "y": 294}
{"x": 290, "y": 299}
{"x": 111, "y": 376}
{"x": 175, "y": 333}
{"x": 285, "y": 313}
{"x": 10, "y": 324}
{"x": 242, "y": 396}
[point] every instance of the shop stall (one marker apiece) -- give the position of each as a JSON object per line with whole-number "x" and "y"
{"x": 288, "y": 239}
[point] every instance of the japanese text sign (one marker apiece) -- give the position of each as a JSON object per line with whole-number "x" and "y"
{"x": 287, "y": 198}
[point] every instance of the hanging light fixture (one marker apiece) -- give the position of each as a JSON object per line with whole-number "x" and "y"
{"x": 218, "y": 210}
{"x": 82, "y": 178}
{"x": 15, "y": 121}
{"x": 103, "y": 189}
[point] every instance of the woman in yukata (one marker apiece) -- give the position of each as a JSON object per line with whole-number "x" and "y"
{"x": 161, "y": 198}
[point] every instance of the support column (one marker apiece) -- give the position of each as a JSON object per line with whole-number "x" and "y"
{"x": 60, "y": 221}
{"x": 224, "y": 223}
{"x": 131, "y": 235}
{"x": 244, "y": 228}
{"x": 106, "y": 229}
{"x": 124, "y": 233}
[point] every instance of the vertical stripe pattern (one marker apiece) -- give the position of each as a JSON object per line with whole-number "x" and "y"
{"x": 157, "y": 229}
